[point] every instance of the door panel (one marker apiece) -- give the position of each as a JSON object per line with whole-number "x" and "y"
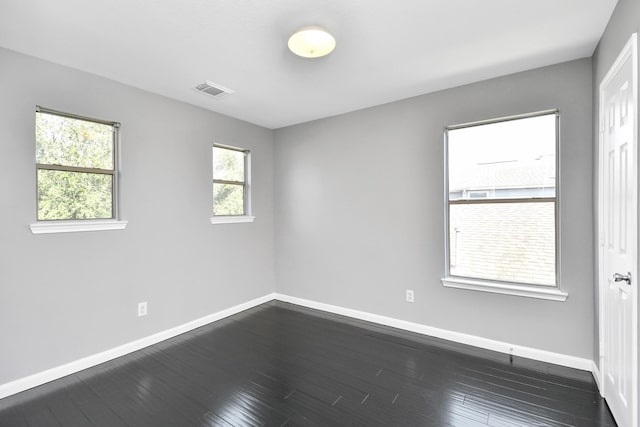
{"x": 619, "y": 223}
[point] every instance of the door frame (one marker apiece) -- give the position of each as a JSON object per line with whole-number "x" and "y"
{"x": 630, "y": 50}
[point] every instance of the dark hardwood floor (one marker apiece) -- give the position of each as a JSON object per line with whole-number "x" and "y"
{"x": 279, "y": 364}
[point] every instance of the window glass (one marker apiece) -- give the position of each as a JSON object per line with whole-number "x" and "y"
{"x": 228, "y": 165}
{"x": 75, "y": 162}
{"x": 72, "y": 142}
{"x": 513, "y": 242}
{"x": 228, "y": 199}
{"x": 502, "y": 200}
{"x": 66, "y": 195}
{"x": 230, "y": 195}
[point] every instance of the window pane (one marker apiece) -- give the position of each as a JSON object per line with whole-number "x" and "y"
{"x": 512, "y": 242}
{"x": 511, "y": 159}
{"x": 73, "y": 142}
{"x": 228, "y": 165}
{"x": 74, "y": 195}
{"x": 228, "y": 199}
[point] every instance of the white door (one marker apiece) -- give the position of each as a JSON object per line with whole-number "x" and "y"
{"x": 619, "y": 227}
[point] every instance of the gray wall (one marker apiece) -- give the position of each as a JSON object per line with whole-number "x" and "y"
{"x": 359, "y": 210}
{"x": 66, "y": 296}
{"x": 624, "y": 22}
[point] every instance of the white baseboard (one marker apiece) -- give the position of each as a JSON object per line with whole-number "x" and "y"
{"x": 43, "y": 377}
{"x": 595, "y": 370}
{"x": 486, "y": 343}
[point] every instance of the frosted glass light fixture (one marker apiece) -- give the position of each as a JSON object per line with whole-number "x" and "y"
{"x": 312, "y": 42}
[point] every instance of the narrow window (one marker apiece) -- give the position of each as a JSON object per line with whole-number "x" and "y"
{"x": 76, "y": 168}
{"x": 502, "y": 202}
{"x": 230, "y": 181}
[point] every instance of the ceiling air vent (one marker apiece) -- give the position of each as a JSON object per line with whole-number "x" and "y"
{"x": 214, "y": 90}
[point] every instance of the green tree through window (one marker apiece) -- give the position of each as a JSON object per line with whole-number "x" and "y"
{"x": 229, "y": 181}
{"x": 75, "y": 160}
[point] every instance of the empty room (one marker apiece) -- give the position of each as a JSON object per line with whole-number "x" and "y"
{"x": 319, "y": 213}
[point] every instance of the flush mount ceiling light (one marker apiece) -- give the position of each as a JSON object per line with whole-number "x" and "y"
{"x": 311, "y": 42}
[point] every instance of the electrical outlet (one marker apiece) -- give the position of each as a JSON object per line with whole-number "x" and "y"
{"x": 142, "y": 308}
{"x": 410, "y": 295}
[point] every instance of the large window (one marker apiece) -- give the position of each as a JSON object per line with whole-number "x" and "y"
{"x": 502, "y": 201}
{"x": 231, "y": 195}
{"x": 76, "y": 168}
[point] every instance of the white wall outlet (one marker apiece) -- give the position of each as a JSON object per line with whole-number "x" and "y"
{"x": 410, "y": 295}
{"x": 142, "y": 308}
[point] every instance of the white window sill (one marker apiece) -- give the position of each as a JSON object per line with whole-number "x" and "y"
{"x": 517, "y": 289}
{"x": 45, "y": 227}
{"x": 231, "y": 219}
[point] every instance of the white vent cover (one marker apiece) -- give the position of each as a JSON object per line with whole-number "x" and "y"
{"x": 214, "y": 90}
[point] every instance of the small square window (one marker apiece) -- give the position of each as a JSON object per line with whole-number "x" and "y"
{"x": 231, "y": 195}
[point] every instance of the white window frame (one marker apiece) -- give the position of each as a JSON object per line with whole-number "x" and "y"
{"x": 247, "y": 216}
{"x": 79, "y": 225}
{"x": 553, "y": 293}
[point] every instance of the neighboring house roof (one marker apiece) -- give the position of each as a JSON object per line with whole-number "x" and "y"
{"x": 534, "y": 173}
{"x": 512, "y": 242}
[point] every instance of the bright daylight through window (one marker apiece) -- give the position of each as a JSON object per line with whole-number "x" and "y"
{"x": 76, "y": 167}
{"x": 230, "y": 181}
{"x": 502, "y": 200}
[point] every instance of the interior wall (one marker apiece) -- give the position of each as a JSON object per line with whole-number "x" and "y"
{"x": 623, "y": 23}
{"x": 360, "y": 211}
{"x": 67, "y": 296}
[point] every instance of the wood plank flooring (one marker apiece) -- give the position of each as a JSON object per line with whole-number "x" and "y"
{"x": 284, "y": 365}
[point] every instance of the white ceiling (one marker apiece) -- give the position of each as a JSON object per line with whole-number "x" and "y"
{"x": 386, "y": 50}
